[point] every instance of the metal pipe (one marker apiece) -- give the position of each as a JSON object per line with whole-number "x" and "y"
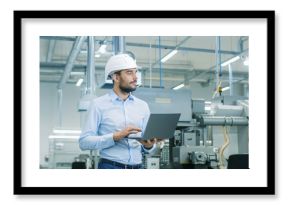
{"x": 150, "y": 67}
{"x": 122, "y": 45}
{"x": 72, "y": 57}
{"x": 231, "y": 80}
{"x": 59, "y": 95}
{"x": 160, "y": 63}
{"x": 219, "y": 59}
{"x": 209, "y": 136}
{"x": 218, "y": 63}
{"x": 189, "y": 49}
{"x": 221, "y": 120}
{"x": 91, "y": 66}
{"x": 171, "y": 47}
{"x": 119, "y": 44}
{"x": 191, "y": 75}
{"x": 50, "y": 51}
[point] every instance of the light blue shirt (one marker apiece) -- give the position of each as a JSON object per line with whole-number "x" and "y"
{"x": 108, "y": 114}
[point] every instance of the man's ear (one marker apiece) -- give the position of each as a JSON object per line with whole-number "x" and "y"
{"x": 115, "y": 77}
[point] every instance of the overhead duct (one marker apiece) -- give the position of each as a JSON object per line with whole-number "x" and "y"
{"x": 90, "y": 74}
{"x": 119, "y": 44}
{"x": 71, "y": 59}
{"x": 91, "y": 66}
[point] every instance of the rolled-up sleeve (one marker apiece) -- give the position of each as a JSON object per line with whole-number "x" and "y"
{"x": 147, "y": 115}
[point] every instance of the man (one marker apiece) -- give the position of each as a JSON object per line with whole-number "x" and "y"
{"x": 112, "y": 117}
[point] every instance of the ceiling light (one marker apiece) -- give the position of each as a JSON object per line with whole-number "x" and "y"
{"x": 97, "y": 55}
{"x": 56, "y": 131}
{"x": 102, "y": 48}
{"x": 246, "y": 62}
{"x": 178, "y": 86}
{"x": 76, "y": 73}
{"x": 169, "y": 55}
{"x": 80, "y": 81}
{"x": 234, "y": 59}
{"x": 63, "y": 137}
{"x": 225, "y": 88}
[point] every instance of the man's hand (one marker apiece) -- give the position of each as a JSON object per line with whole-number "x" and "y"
{"x": 148, "y": 144}
{"x": 125, "y": 132}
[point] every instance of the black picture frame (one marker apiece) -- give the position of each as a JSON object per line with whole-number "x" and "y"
{"x": 19, "y": 189}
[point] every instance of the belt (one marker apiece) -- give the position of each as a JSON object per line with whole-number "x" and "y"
{"x": 124, "y": 166}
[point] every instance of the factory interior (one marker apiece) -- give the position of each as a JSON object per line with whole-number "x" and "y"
{"x": 204, "y": 78}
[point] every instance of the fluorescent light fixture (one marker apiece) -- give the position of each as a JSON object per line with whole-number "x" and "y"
{"x": 246, "y": 62}
{"x": 225, "y": 88}
{"x": 80, "y": 81}
{"x": 102, "y": 48}
{"x": 56, "y": 131}
{"x": 63, "y": 137}
{"x": 97, "y": 55}
{"x": 169, "y": 55}
{"x": 178, "y": 86}
{"x": 75, "y": 73}
{"x": 234, "y": 59}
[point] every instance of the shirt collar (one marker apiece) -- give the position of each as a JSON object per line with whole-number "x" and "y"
{"x": 115, "y": 97}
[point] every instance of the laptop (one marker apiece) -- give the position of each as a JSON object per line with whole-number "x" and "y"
{"x": 160, "y": 126}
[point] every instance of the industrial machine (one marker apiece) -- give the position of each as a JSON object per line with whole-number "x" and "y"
{"x": 207, "y": 134}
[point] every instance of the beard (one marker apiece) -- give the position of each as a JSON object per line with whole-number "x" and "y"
{"x": 127, "y": 89}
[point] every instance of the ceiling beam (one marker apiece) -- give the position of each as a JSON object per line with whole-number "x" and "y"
{"x": 202, "y": 50}
{"x": 59, "y": 67}
{"x": 51, "y": 46}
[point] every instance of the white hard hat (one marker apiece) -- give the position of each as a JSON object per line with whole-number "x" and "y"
{"x": 119, "y": 62}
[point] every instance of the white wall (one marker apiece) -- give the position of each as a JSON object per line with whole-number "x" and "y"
{"x": 49, "y": 115}
{"x": 49, "y": 112}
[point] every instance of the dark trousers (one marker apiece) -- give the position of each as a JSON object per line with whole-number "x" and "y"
{"x": 108, "y": 164}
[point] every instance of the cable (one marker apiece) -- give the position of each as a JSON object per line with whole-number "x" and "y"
{"x": 223, "y": 147}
